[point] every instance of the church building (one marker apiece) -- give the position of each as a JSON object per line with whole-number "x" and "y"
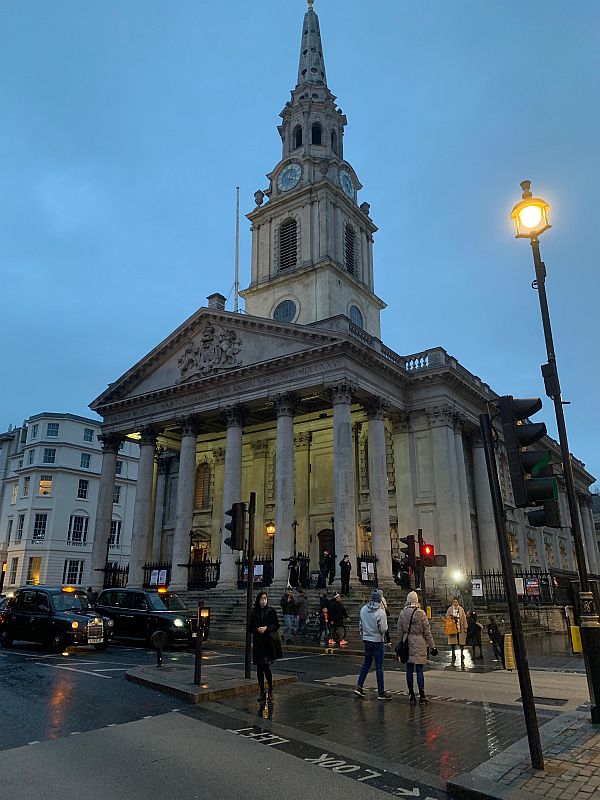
{"x": 348, "y": 445}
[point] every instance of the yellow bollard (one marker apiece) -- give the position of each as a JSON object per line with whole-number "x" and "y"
{"x": 428, "y": 612}
{"x": 575, "y": 639}
{"x": 510, "y": 662}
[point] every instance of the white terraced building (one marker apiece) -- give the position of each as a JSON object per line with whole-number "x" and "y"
{"x": 50, "y": 480}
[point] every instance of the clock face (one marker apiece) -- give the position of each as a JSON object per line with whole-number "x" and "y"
{"x": 346, "y": 183}
{"x": 289, "y": 177}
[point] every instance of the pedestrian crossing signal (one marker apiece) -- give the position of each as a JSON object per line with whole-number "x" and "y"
{"x": 427, "y": 554}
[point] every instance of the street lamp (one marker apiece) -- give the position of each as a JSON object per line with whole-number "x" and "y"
{"x": 531, "y": 219}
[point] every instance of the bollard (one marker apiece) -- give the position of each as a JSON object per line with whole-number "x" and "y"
{"x": 510, "y": 661}
{"x": 158, "y": 640}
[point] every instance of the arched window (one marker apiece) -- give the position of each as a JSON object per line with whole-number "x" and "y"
{"x": 316, "y": 133}
{"x": 288, "y": 242}
{"x": 350, "y": 248}
{"x": 356, "y": 317}
{"x": 285, "y": 311}
{"x": 298, "y": 136}
{"x": 334, "y": 142}
{"x": 202, "y": 491}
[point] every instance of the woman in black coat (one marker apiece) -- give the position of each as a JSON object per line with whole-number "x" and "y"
{"x": 266, "y": 644}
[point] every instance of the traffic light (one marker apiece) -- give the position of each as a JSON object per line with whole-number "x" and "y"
{"x": 427, "y": 554}
{"x": 410, "y": 551}
{"x": 531, "y": 474}
{"x": 237, "y": 512}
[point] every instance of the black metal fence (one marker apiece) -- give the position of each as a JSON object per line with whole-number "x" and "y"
{"x": 541, "y": 588}
{"x": 115, "y": 576}
{"x": 366, "y": 569}
{"x": 157, "y": 573}
{"x": 204, "y": 575}
{"x": 263, "y": 572}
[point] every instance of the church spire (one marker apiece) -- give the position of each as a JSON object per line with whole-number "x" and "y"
{"x": 311, "y": 68}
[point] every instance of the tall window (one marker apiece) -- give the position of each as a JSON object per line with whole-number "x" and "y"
{"x": 119, "y": 468}
{"x": 117, "y": 494}
{"x": 34, "y": 431}
{"x": 350, "y": 248}
{"x": 202, "y": 493}
{"x": 78, "y": 527}
{"x": 39, "y": 529}
{"x": 73, "y": 571}
{"x": 49, "y": 455}
{"x": 26, "y": 482}
{"x": 14, "y": 565}
{"x": 33, "y": 570}
{"x": 298, "y": 136}
{"x": 13, "y": 493}
{"x": 9, "y": 528}
{"x": 316, "y": 133}
{"x": 82, "y": 489}
{"x": 115, "y": 533}
{"x": 45, "y": 485}
{"x": 356, "y": 316}
{"x": 30, "y": 457}
{"x": 52, "y": 429}
{"x": 288, "y": 244}
{"x": 20, "y": 526}
{"x": 85, "y": 460}
{"x": 88, "y": 434}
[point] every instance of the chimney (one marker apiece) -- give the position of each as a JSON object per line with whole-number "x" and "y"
{"x": 216, "y": 301}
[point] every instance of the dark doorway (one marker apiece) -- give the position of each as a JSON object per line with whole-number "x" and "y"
{"x": 326, "y": 542}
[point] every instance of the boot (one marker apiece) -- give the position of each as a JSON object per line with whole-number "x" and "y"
{"x": 411, "y": 697}
{"x": 422, "y": 696}
{"x": 270, "y": 695}
{"x": 261, "y": 697}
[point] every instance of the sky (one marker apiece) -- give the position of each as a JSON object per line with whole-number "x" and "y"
{"x": 127, "y": 125}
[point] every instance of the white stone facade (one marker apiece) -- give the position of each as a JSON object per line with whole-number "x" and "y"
{"x": 50, "y": 498}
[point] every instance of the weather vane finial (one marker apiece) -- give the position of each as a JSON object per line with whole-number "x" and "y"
{"x": 310, "y": 3}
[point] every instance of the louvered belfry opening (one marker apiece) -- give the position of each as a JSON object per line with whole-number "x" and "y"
{"x": 350, "y": 242}
{"x": 288, "y": 243}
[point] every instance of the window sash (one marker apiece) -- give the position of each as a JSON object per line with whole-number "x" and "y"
{"x": 85, "y": 460}
{"x": 14, "y": 565}
{"x": 20, "y": 526}
{"x": 115, "y": 533}
{"x": 72, "y": 571}
{"x": 33, "y": 570}
{"x": 9, "y": 528}
{"x": 52, "y": 429}
{"x": 39, "y": 528}
{"x": 14, "y": 493}
{"x": 45, "y": 485}
{"x": 49, "y": 455}
{"x": 88, "y": 435}
{"x": 26, "y": 483}
{"x": 116, "y": 495}
{"x": 78, "y": 528}
{"x": 82, "y": 489}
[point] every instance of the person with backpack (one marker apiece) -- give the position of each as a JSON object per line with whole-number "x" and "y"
{"x": 414, "y": 630}
{"x": 373, "y": 627}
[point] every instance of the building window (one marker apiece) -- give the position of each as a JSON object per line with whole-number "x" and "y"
{"x": 49, "y": 455}
{"x": 30, "y": 457}
{"x": 334, "y": 142}
{"x": 316, "y": 133}
{"x": 78, "y": 527}
{"x": 82, "y": 489}
{"x": 88, "y": 434}
{"x": 85, "y": 460}
{"x": 52, "y": 429}
{"x": 73, "y": 571}
{"x": 14, "y": 565}
{"x": 288, "y": 244}
{"x": 298, "y": 136}
{"x": 39, "y": 529}
{"x": 356, "y": 317}
{"x": 119, "y": 468}
{"x": 20, "y": 526}
{"x": 13, "y": 494}
{"x": 117, "y": 494}
{"x": 115, "y": 533}
{"x": 33, "y": 570}
{"x": 34, "y": 431}
{"x": 285, "y": 312}
{"x": 350, "y": 249}
{"x": 45, "y": 485}
{"x": 9, "y": 530}
{"x": 202, "y": 493}
{"x": 26, "y": 482}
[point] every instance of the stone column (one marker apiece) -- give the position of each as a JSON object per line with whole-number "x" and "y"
{"x": 232, "y": 489}
{"x": 260, "y": 450}
{"x": 141, "y": 511}
{"x": 465, "y": 506}
{"x": 284, "y": 485}
{"x": 343, "y": 474}
{"x": 588, "y": 533}
{"x": 403, "y": 474}
{"x": 104, "y": 508}
{"x": 488, "y": 538}
{"x": 217, "y": 502}
{"x": 153, "y": 500}
{"x": 302, "y": 479}
{"x": 378, "y": 488}
{"x": 164, "y": 463}
{"x": 184, "y": 504}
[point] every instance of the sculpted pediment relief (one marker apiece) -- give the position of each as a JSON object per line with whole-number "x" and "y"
{"x": 217, "y": 350}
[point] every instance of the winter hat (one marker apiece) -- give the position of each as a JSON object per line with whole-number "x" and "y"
{"x": 412, "y": 599}
{"x": 376, "y": 596}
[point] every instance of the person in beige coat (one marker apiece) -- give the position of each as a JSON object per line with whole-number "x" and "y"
{"x": 456, "y": 628}
{"x": 413, "y": 623}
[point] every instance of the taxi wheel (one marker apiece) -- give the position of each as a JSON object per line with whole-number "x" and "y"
{"x": 102, "y": 646}
{"x": 5, "y": 639}
{"x": 57, "y": 643}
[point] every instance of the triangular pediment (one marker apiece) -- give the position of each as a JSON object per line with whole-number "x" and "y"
{"x": 212, "y": 343}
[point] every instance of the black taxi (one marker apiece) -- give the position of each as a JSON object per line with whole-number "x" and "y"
{"x": 138, "y": 613}
{"x": 57, "y": 617}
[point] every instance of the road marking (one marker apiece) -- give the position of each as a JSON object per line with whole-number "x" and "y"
{"x": 111, "y": 669}
{"x": 34, "y": 742}
{"x": 74, "y": 733}
{"x": 72, "y": 669}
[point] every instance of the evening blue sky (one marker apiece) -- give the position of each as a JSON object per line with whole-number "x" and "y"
{"x": 127, "y": 124}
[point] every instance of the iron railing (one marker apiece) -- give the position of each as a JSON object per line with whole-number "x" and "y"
{"x": 157, "y": 573}
{"x": 115, "y": 577}
{"x": 204, "y": 575}
{"x": 366, "y": 569}
{"x": 263, "y": 572}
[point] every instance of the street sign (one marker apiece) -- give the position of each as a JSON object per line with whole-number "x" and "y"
{"x": 440, "y": 561}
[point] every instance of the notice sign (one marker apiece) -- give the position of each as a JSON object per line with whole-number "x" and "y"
{"x": 258, "y": 573}
{"x": 532, "y": 587}
{"x": 162, "y": 577}
{"x": 519, "y": 586}
{"x": 364, "y": 571}
{"x": 476, "y": 587}
{"x": 371, "y": 567}
{"x": 154, "y": 577}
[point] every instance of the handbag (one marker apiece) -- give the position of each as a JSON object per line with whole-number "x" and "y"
{"x": 402, "y": 647}
{"x": 450, "y": 627}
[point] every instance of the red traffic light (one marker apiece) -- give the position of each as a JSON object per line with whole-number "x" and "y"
{"x": 427, "y": 554}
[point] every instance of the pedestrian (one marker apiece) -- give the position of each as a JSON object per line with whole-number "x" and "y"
{"x": 323, "y": 569}
{"x": 373, "y": 626}
{"x": 92, "y": 596}
{"x": 266, "y": 644}
{"x": 414, "y": 626}
{"x": 304, "y": 571}
{"x": 293, "y": 573}
{"x": 496, "y": 639}
{"x": 323, "y": 618}
{"x": 337, "y": 614}
{"x": 474, "y": 628}
{"x": 455, "y": 628}
{"x": 288, "y": 608}
{"x": 331, "y": 568}
{"x": 345, "y": 570}
{"x": 301, "y": 610}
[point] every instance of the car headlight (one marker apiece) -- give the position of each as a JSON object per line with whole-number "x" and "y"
{"x": 179, "y": 623}
{"x": 74, "y": 624}
{"x": 110, "y": 623}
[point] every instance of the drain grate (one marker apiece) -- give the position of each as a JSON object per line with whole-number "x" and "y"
{"x": 546, "y": 701}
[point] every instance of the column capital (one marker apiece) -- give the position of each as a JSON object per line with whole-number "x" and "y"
{"x": 234, "y": 416}
{"x": 376, "y": 407}
{"x": 341, "y": 392}
{"x": 111, "y": 442}
{"x": 400, "y": 422}
{"x": 260, "y": 448}
{"x": 218, "y": 455}
{"x": 148, "y": 435}
{"x": 189, "y": 426}
{"x": 459, "y": 421}
{"x": 438, "y": 416}
{"x": 302, "y": 440}
{"x": 284, "y": 404}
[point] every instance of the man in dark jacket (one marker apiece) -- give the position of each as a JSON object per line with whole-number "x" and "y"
{"x": 345, "y": 570}
{"x": 337, "y": 615}
{"x": 301, "y": 610}
{"x": 496, "y": 639}
{"x": 288, "y": 607}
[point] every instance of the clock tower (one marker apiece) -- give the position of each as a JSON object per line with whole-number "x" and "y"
{"x": 312, "y": 243}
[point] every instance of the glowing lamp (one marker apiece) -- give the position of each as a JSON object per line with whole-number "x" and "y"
{"x": 530, "y": 215}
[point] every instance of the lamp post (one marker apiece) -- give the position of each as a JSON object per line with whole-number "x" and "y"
{"x": 294, "y": 526}
{"x": 531, "y": 219}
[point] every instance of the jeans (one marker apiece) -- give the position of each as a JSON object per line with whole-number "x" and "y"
{"x": 410, "y": 668}
{"x": 301, "y": 625}
{"x": 373, "y": 650}
{"x": 288, "y": 625}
